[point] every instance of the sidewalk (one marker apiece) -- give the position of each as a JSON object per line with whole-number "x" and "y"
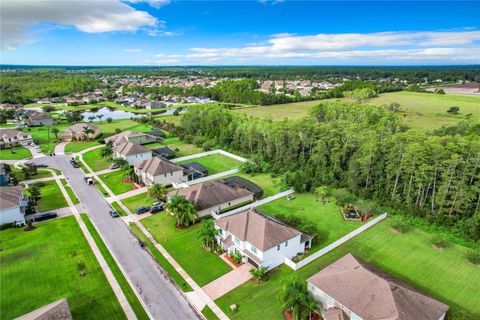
{"x": 127, "y": 194}
{"x": 89, "y": 149}
{"x": 60, "y": 148}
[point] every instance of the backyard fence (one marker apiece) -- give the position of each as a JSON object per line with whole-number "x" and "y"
{"x": 330, "y": 247}
{"x": 207, "y": 153}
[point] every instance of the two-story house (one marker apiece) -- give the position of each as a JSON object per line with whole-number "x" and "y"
{"x": 158, "y": 170}
{"x": 78, "y": 132}
{"x": 133, "y": 137}
{"x": 12, "y": 205}
{"x": 261, "y": 239}
{"x": 11, "y": 138}
{"x": 132, "y": 153}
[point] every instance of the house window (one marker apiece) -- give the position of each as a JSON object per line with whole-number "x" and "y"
{"x": 278, "y": 248}
{"x": 236, "y": 240}
{"x": 286, "y": 243}
{"x": 254, "y": 250}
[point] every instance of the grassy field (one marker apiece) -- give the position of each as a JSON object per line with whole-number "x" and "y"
{"x": 41, "y": 173}
{"x": 115, "y": 182}
{"x": 44, "y": 137}
{"x": 17, "y": 153}
{"x": 95, "y": 161}
{"x": 278, "y": 112}
{"x": 42, "y": 266}
{"x": 186, "y": 248}
{"x": 77, "y": 146}
{"x": 70, "y": 192}
{"x": 445, "y": 275}
{"x": 174, "y": 143}
{"x": 326, "y": 217}
{"x": 216, "y": 163}
{"x": 270, "y": 185}
{"x": 208, "y": 313}
{"x": 140, "y": 200}
{"x": 102, "y": 190}
{"x": 51, "y": 197}
{"x": 122, "y": 281}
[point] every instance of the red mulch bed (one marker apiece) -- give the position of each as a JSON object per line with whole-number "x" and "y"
{"x": 231, "y": 260}
{"x": 289, "y": 315}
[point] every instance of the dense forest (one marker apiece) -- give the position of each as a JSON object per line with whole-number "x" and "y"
{"x": 362, "y": 148}
{"x": 22, "y": 88}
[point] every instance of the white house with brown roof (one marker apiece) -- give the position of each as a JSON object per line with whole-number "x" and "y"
{"x": 12, "y": 205}
{"x": 215, "y": 195}
{"x": 133, "y": 137}
{"x": 261, "y": 239}
{"x": 132, "y": 153}
{"x": 352, "y": 289}
{"x": 77, "y": 132}
{"x": 12, "y": 137}
{"x": 39, "y": 119}
{"x": 158, "y": 170}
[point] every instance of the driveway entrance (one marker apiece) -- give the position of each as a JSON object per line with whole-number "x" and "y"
{"x": 228, "y": 282}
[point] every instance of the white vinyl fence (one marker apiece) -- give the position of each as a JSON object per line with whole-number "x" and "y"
{"x": 330, "y": 247}
{"x": 207, "y": 153}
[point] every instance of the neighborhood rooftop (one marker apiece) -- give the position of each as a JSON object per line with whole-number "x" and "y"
{"x": 124, "y": 137}
{"x": 10, "y": 197}
{"x": 156, "y": 166}
{"x": 129, "y": 148}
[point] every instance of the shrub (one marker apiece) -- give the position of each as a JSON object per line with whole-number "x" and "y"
{"x": 82, "y": 268}
{"x": 474, "y": 256}
{"x": 237, "y": 257}
{"x": 118, "y": 130}
{"x": 260, "y": 274}
{"x": 401, "y": 226}
{"x": 440, "y": 241}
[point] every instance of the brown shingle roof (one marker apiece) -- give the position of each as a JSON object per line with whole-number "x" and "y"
{"x": 372, "y": 294}
{"x": 78, "y": 127}
{"x": 10, "y": 197}
{"x": 156, "y": 166}
{"x": 259, "y": 230}
{"x": 125, "y": 136}
{"x": 211, "y": 194}
{"x": 128, "y": 149}
{"x": 10, "y": 133}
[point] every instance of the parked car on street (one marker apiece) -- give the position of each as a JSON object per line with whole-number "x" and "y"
{"x": 142, "y": 210}
{"x": 114, "y": 214}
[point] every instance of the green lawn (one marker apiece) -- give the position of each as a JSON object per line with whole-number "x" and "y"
{"x": 270, "y": 185}
{"x": 95, "y": 161}
{"x": 41, "y": 266}
{"x": 174, "y": 143}
{"x": 102, "y": 190}
{"x": 140, "y": 200}
{"x": 445, "y": 275}
{"x": 108, "y": 129}
{"x": 17, "y": 153}
{"x": 124, "y": 285}
{"x": 186, "y": 248}
{"x": 278, "y": 112}
{"x": 51, "y": 197}
{"x": 77, "y": 146}
{"x": 208, "y": 313}
{"x": 216, "y": 163}
{"x": 115, "y": 182}
{"x": 41, "y": 173}
{"x": 326, "y": 217}
{"x": 119, "y": 209}
{"x": 44, "y": 137}
{"x": 70, "y": 192}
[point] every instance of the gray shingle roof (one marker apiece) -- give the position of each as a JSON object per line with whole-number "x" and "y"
{"x": 10, "y": 197}
{"x": 128, "y": 149}
{"x": 156, "y": 166}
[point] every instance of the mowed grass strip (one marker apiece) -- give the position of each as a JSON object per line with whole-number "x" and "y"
{"x": 41, "y": 266}
{"x": 119, "y": 209}
{"x": 208, "y": 313}
{"x": 124, "y": 285}
{"x": 70, "y": 192}
{"x": 51, "y": 197}
{"x": 216, "y": 163}
{"x": 17, "y": 153}
{"x": 186, "y": 248}
{"x": 77, "y": 146}
{"x": 115, "y": 182}
{"x": 94, "y": 160}
{"x": 445, "y": 275}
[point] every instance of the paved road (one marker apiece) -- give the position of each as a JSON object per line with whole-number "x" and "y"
{"x": 159, "y": 295}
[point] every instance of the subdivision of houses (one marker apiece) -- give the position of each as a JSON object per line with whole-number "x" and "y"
{"x": 131, "y": 152}
{"x": 162, "y": 171}
{"x": 133, "y": 137}
{"x": 12, "y": 137}
{"x": 12, "y": 205}
{"x": 76, "y": 132}
{"x": 215, "y": 195}
{"x": 36, "y": 118}
{"x": 262, "y": 240}
{"x": 352, "y": 289}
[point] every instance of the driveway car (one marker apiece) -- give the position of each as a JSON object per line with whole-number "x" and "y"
{"x": 142, "y": 210}
{"x": 156, "y": 208}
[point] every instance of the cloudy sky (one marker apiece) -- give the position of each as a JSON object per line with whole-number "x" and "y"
{"x": 266, "y": 32}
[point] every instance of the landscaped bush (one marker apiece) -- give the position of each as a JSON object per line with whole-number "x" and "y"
{"x": 236, "y": 257}
{"x": 299, "y": 224}
{"x": 401, "y": 226}
{"x": 440, "y": 241}
{"x": 260, "y": 274}
{"x": 474, "y": 256}
{"x": 343, "y": 197}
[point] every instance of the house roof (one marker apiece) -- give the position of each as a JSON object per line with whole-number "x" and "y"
{"x": 55, "y": 310}
{"x": 261, "y": 231}
{"x": 128, "y": 149}
{"x": 78, "y": 127}
{"x": 156, "y": 166}
{"x": 10, "y": 197}
{"x": 39, "y": 116}
{"x": 10, "y": 133}
{"x": 125, "y": 136}
{"x": 372, "y": 294}
{"x": 211, "y": 193}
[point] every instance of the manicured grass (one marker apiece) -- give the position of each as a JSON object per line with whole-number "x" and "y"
{"x": 119, "y": 209}
{"x": 208, "y": 313}
{"x": 95, "y": 161}
{"x": 41, "y": 173}
{"x": 51, "y": 197}
{"x": 70, "y": 192}
{"x": 161, "y": 259}
{"x": 115, "y": 182}
{"x": 186, "y": 248}
{"x": 216, "y": 163}
{"x": 184, "y": 149}
{"x": 326, "y": 217}
{"x": 270, "y": 185}
{"x": 124, "y": 285}
{"x": 17, "y": 153}
{"x": 445, "y": 275}
{"x": 44, "y": 137}
{"x": 102, "y": 190}
{"x": 41, "y": 266}
{"x": 77, "y": 146}
{"x": 140, "y": 200}
{"x": 278, "y": 112}
{"x": 108, "y": 129}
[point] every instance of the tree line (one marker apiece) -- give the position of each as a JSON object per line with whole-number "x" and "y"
{"x": 365, "y": 149}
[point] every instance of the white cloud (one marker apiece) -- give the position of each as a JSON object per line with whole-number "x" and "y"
{"x": 152, "y": 3}
{"x": 132, "y": 50}
{"x": 20, "y": 16}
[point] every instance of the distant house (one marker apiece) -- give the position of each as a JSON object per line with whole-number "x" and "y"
{"x": 39, "y": 119}
{"x": 195, "y": 170}
{"x": 352, "y": 289}
{"x": 158, "y": 170}
{"x": 164, "y": 152}
{"x": 4, "y": 177}
{"x": 157, "y": 133}
{"x": 132, "y": 153}
{"x": 261, "y": 239}
{"x": 133, "y": 137}
{"x": 11, "y": 138}
{"x": 155, "y": 105}
{"x": 77, "y": 132}
{"x": 8, "y": 106}
{"x": 216, "y": 195}
{"x": 12, "y": 205}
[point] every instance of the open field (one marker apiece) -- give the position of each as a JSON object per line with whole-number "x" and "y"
{"x": 445, "y": 275}
{"x": 216, "y": 163}
{"x": 51, "y": 197}
{"x": 17, "y": 153}
{"x": 278, "y": 112}
{"x": 42, "y": 266}
{"x": 115, "y": 182}
{"x": 77, "y": 146}
{"x": 186, "y": 248}
{"x": 117, "y": 273}
{"x": 94, "y": 160}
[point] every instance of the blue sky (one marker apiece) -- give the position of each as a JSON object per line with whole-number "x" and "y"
{"x": 162, "y": 32}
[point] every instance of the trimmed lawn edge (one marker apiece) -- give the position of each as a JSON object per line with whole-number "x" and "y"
{"x": 208, "y": 313}
{"x": 122, "y": 281}
{"x": 70, "y": 192}
{"x": 119, "y": 209}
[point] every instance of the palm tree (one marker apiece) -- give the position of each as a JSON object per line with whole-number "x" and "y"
{"x": 260, "y": 274}
{"x": 321, "y": 193}
{"x": 208, "y": 233}
{"x": 87, "y": 131}
{"x": 55, "y": 131}
{"x": 158, "y": 192}
{"x": 296, "y": 297}
{"x": 99, "y": 116}
{"x": 183, "y": 210}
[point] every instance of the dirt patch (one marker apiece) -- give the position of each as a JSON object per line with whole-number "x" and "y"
{"x": 15, "y": 257}
{"x": 393, "y": 230}
{"x": 438, "y": 248}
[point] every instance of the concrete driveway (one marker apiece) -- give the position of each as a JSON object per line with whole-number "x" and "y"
{"x": 157, "y": 292}
{"x": 228, "y": 282}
